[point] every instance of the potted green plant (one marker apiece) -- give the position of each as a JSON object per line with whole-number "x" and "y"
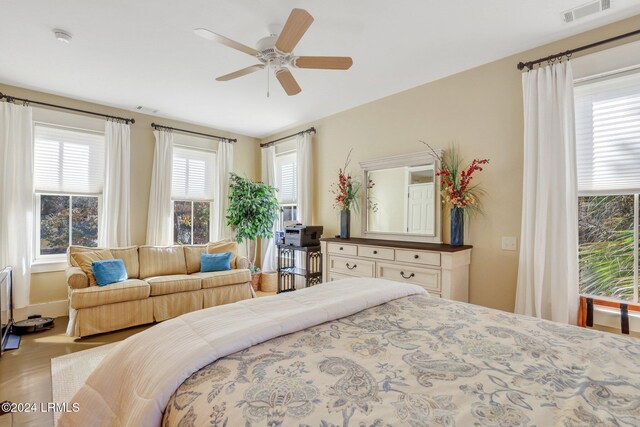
{"x": 253, "y": 209}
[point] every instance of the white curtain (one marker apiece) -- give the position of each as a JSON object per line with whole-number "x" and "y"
{"x": 159, "y": 222}
{"x": 224, "y": 160}
{"x": 304, "y": 200}
{"x": 304, "y": 171}
{"x": 548, "y": 270}
{"x": 114, "y": 227}
{"x": 269, "y": 252}
{"x": 16, "y": 197}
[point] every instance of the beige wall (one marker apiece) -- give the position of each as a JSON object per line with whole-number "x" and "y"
{"x": 47, "y": 287}
{"x": 480, "y": 110}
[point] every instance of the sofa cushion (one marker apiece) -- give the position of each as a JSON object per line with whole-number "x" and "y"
{"x": 192, "y": 257}
{"x": 161, "y": 261}
{"x": 223, "y": 278}
{"x": 76, "y": 249}
{"x": 94, "y": 296}
{"x": 84, "y": 260}
{"x": 129, "y": 255}
{"x": 223, "y": 246}
{"x": 172, "y": 284}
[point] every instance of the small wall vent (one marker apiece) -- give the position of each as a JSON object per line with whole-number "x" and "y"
{"x": 585, "y": 10}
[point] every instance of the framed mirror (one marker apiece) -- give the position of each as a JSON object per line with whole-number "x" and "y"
{"x": 402, "y": 198}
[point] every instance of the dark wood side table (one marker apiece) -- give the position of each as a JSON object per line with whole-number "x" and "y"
{"x": 288, "y": 270}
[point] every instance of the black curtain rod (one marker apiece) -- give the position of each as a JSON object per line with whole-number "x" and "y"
{"x": 9, "y": 98}
{"x": 162, "y": 127}
{"x": 266, "y": 144}
{"x": 568, "y": 53}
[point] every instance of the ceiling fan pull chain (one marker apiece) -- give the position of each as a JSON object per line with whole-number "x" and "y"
{"x": 268, "y": 82}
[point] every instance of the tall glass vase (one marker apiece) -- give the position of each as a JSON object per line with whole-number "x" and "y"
{"x": 345, "y": 223}
{"x": 457, "y": 227}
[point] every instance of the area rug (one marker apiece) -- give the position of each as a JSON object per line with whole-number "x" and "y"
{"x": 69, "y": 372}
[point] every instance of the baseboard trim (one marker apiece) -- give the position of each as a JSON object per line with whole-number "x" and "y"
{"x": 47, "y": 309}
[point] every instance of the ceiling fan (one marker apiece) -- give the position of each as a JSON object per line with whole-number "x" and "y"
{"x": 276, "y": 52}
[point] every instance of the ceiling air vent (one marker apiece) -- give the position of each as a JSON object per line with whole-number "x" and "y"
{"x": 146, "y": 110}
{"x": 585, "y": 10}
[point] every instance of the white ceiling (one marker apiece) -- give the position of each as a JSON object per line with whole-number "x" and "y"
{"x": 126, "y": 53}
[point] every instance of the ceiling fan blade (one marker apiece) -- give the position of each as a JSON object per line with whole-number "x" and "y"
{"x": 210, "y": 35}
{"x": 297, "y": 24}
{"x": 289, "y": 84}
{"x": 240, "y": 73}
{"x": 323, "y": 62}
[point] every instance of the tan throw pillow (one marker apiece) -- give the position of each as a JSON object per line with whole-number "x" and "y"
{"x": 84, "y": 260}
{"x": 224, "y": 246}
{"x": 75, "y": 249}
{"x": 192, "y": 256}
{"x": 129, "y": 256}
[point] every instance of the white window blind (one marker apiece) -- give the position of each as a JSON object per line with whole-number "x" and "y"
{"x": 192, "y": 174}
{"x": 286, "y": 178}
{"x": 608, "y": 135}
{"x": 68, "y": 160}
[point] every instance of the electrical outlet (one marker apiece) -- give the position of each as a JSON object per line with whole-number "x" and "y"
{"x": 509, "y": 243}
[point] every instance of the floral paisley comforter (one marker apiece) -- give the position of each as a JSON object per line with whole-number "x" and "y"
{"x": 420, "y": 361}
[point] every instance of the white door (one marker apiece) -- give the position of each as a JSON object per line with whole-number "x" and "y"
{"x": 420, "y": 213}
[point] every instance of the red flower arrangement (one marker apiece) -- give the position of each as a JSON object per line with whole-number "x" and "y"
{"x": 455, "y": 180}
{"x": 347, "y": 188}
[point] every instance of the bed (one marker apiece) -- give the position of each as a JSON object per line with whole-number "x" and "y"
{"x": 405, "y": 359}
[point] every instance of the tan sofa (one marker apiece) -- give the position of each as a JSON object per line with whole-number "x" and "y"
{"x": 164, "y": 282}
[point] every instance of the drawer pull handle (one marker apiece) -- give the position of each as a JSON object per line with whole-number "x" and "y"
{"x": 351, "y": 268}
{"x": 341, "y": 248}
{"x": 375, "y": 252}
{"x": 416, "y": 256}
{"x": 407, "y": 277}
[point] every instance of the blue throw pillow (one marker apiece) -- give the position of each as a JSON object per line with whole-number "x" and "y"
{"x": 215, "y": 262}
{"x": 109, "y": 271}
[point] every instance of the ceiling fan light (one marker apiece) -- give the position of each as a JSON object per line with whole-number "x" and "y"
{"x": 62, "y": 36}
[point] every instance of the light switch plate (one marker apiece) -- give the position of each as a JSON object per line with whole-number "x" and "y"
{"x": 509, "y": 243}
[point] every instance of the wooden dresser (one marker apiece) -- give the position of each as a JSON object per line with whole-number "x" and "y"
{"x": 443, "y": 270}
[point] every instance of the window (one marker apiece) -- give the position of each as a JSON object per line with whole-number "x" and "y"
{"x": 192, "y": 194}
{"x": 68, "y": 179}
{"x": 608, "y": 154}
{"x": 287, "y": 184}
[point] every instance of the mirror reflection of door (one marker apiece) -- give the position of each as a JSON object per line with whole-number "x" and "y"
{"x": 402, "y": 200}
{"x": 420, "y": 188}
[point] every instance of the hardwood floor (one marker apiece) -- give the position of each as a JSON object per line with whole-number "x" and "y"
{"x": 25, "y": 373}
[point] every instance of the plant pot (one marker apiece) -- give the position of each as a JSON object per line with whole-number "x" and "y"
{"x": 457, "y": 227}
{"x": 345, "y": 223}
{"x": 255, "y": 281}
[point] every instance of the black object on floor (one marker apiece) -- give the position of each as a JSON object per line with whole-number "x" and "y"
{"x": 13, "y": 342}
{"x": 34, "y": 323}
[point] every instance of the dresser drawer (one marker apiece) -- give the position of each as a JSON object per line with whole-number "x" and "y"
{"x": 428, "y": 278}
{"x": 418, "y": 257}
{"x": 337, "y": 276}
{"x": 339, "y": 248}
{"x": 376, "y": 252}
{"x": 351, "y": 266}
